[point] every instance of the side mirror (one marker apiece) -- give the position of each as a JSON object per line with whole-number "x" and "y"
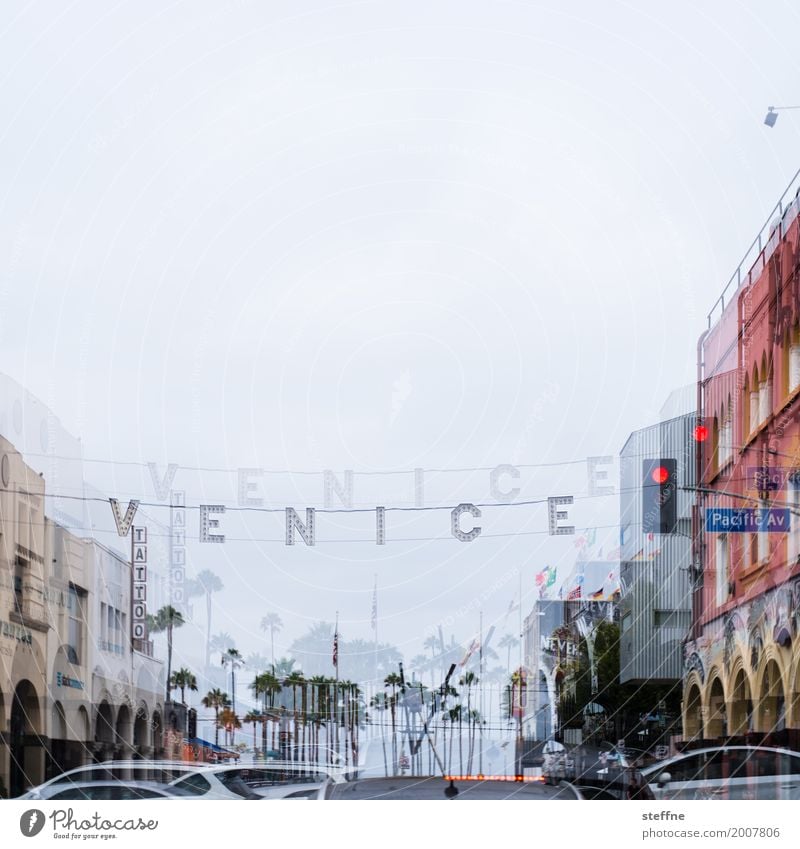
{"x": 663, "y": 779}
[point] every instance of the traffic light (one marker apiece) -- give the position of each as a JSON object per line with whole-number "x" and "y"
{"x": 659, "y": 496}
{"x": 192, "y": 729}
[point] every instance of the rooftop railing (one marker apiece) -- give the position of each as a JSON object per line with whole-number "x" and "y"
{"x": 763, "y": 246}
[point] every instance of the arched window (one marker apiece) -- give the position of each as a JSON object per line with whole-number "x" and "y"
{"x": 764, "y": 392}
{"x": 753, "y": 420}
{"x": 793, "y": 370}
{"x": 725, "y": 449}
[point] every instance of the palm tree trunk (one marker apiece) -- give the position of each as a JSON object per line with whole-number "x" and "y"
{"x": 216, "y": 726}
{"x": 169, "y": 657}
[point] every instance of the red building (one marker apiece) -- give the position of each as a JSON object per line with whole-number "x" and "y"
{"x": 743, "y": 661}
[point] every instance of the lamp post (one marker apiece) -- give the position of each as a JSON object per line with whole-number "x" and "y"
{"x": 772, "y": 114}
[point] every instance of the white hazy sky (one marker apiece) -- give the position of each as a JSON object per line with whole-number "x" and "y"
{"x": 376, "y": 236}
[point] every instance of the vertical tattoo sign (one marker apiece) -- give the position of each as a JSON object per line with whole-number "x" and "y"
{"x": 139, "y": 583}
{"x": 177, "y": 549}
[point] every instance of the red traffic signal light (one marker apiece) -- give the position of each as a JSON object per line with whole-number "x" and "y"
{"x": 700, "y": 433}
{"x": 659, "y": 475}
{"x": 659, "y": 495}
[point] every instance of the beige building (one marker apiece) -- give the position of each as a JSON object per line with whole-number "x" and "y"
{"x": 74, "y": 686}
{"x": 23, "y": 623}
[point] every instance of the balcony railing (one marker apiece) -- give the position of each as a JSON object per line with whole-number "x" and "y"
{"x": 144, "y": 647}
{"x": 28, "y": 612}
{"x": 114, "y": 648}
{"x": 763, "y": 246}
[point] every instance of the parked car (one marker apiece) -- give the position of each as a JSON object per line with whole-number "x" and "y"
{"x": 160, "y": 772}
{"x": 274, "y": 780}
{"x": 111, "y": 790}
{"x": 727, "y": 772}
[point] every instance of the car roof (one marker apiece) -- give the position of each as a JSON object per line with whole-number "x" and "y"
{"x": 157, "y": 786}
{"x": 647, "y": 770}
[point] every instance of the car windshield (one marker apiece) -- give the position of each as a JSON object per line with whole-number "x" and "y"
{"x": 729, "y": 773}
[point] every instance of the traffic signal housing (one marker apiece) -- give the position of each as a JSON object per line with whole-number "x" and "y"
{"x": 660, "y": 496}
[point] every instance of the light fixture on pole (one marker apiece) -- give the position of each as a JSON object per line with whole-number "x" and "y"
{"x": 772, "y": 114}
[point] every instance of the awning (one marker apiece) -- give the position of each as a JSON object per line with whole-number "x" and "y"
{"x": 196, "y": 741}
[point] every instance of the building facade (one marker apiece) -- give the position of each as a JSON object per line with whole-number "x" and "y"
{"x": 655, "y": 604}
{"x": 742, "y": 663}
{"x": 74, "y": 686}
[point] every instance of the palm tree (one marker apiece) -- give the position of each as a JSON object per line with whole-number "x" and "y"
{"x": 294, "y": 680}
{"x": 393, "y": 680}
{"x": 211, "y": 583}
{"x": 283, "y": 667}
{"x": 230, "y": 722}
{"x": 257, "y": 662}
{"x": 232, "y": 658}
{"x": 432, "y": 643}
{"x": 320, "y": 694}
{"x": 267, "y": 686}
{"x": 272, "y": 623}
{"x": 469, "y": 679}
{"x": 419, "y": 663}
{"x": 167, "y": 619}
{"x": 378, "y": 702}
{"x": 508, "y": 641}
{"x": 215, "y": 699}
{"x": 183, "y": 679}
{"x": 254, "y": 717}
{"x": 221, "y": 641}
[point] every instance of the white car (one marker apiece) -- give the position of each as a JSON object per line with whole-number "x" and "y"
{"x": 727, "y": 772}
{"x": 273, "y": 780}
{"x": 161, "y": 772}
{"x": 108, "y": 791}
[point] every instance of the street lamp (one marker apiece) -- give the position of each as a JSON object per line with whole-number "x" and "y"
{"x": 772, "y": 114}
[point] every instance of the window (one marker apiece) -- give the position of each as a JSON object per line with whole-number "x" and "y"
{"x": 725, "y": 445}
{"x": 793, "y": 537}
{"x": 76, "y": 604}
{"x": 675, "y": 619}
{"x": 194, "y": 784}
{"x": 722, "y": 560}
{"x": 764, "y": 401}
{"x": 794, "y": 366}
{"x": 754, "y": 405}
{"x": 627, "y": 620}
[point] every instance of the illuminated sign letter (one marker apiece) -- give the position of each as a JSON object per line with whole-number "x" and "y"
{"x": 595, "y": 475}
{"x": 162, "y": 485}
{"x": 123, "y": 524}
{"x": 293, "y": 523}
{"x": 332, "y": 485}
{"x": 495, "y": 475}
{"x": 247, "y": 486}
{"x": 208, "y": 526}
{"x": 554, "y": 515}
{"x": 455, "y": 527}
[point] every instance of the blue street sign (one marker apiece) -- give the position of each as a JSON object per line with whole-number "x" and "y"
{"x": 749, "y": 520}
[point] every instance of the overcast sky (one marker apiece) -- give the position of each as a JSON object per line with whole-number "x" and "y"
{"x": 377, "y": 236}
